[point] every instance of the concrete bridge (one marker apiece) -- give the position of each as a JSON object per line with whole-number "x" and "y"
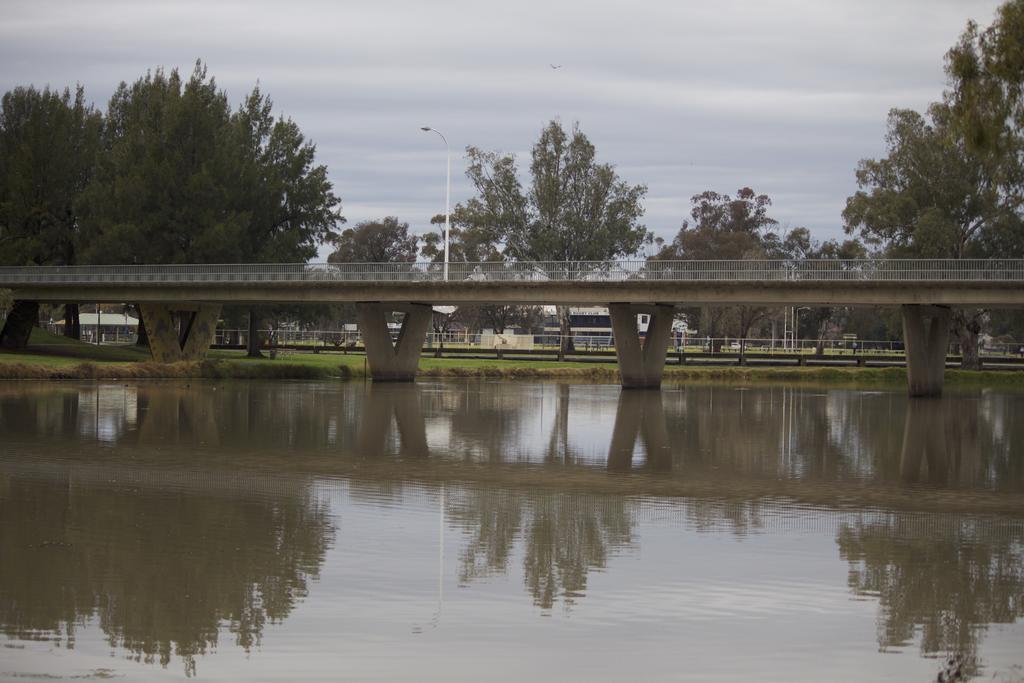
{"x": 925, "y": 289}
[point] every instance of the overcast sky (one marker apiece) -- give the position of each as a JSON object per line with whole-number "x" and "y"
{"x": 683, "y": 96}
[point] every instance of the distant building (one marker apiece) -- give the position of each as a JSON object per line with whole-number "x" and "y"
{"x": 590, "y": 326}
{"x": 112, "y": 327}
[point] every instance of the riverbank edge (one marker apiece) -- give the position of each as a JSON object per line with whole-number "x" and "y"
{"x": 220, "y": 369}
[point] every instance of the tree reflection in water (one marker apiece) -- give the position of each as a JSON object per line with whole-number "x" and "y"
{"x": 564, "y": 536}
{"x": 192, "y": 556}
{"x": 160, "y": 568}
{"x": 945, "y": 578}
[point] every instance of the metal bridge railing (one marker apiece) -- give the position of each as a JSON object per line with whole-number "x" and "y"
{"x": 826, "y": 270}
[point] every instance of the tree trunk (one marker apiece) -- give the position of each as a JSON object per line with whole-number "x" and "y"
{"x": 709, "y": 321}
{"x": 142, "y": 337}
{"x": 252, "y": 341}
{"x": 439, "y": 334}
{"x": 72, "y": 321}
{"x": 564, "y": 331}
{"x": 17, "y": 329}
{"x": 967, "y": 327}
{"x": 746, "y": 322}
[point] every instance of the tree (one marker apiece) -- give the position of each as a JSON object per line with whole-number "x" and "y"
{"x": 726, "y": 228}
{"x": 286, "y": 197}
{"x": 48, "y": 146}
{"x": 467, "y": 243}
{"x": 183, "y": 179}
{"x": 986, "y": 97}
{"x": 953, "y": 183}
{"x": 386, "y": 240}
{"x": 575, "y": 210}
{"x": 48, "y": 143}
{"x": 379, "y": 241}
{"x": 799, "y": 244}
{"x": 162, "y": 189}
{"x": 471, "y": 244}
{"x": 931, "y": 197}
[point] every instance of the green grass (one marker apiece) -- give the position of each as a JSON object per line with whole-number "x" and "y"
{"x": 42, "y": 343}
{"x": 54, "y": 357}
{"x": 356, "y": 362}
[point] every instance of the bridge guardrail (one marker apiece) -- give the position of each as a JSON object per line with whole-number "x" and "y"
{"x": 825, "y": 270}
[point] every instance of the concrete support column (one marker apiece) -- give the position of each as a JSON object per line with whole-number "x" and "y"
{"x": 167, "y": 342}
{"x": 641, "y": 366}
{"x": 18, "y": 326}
{"x": 393, "y": 362}
{"x": 925, "y": 337}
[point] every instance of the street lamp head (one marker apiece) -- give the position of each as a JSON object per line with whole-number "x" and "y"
{"x": 426, "y": 129}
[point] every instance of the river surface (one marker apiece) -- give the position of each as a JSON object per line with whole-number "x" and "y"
{"x": 481, "y": 531}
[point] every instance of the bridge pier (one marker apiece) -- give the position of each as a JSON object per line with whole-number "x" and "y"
{"x": 926, "y": 338}
{"x": 393, "y": 362}
{"x": 641, "y": 366}
{"x": 22, "y": 317}
{"x": 168, "y": 343}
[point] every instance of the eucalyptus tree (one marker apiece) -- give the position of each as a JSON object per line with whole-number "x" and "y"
{"x": 986, "y": 95}
{"x": 798, "y": 244}
{"x": 471, "y": 244}
{"x": 952, "y": 184}
{"x": 575, "y": 210}
{"x": 931, "y": 197}
{"x": 725, "y": 228}
{"x": 467, "y": 243}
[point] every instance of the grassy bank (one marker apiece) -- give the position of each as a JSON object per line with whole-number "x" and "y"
{"x": 52, "y": 357}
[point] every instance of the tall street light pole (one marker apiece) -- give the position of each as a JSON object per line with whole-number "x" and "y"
{"x": 447, "y": 194}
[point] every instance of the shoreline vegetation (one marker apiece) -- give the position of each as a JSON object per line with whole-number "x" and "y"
{"x": 56, "y": 358}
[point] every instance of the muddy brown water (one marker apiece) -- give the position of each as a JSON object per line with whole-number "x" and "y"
{"x": 474, "y": 530}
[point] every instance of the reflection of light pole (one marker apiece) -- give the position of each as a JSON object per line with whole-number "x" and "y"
{"x": 440, "y": 561}
{"x": 447, "y": 193}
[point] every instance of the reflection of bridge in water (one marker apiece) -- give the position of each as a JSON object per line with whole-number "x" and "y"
{"x": 238, "y": 464}
{"x": 924, "y": 289}
{"x": 711, "y": 441}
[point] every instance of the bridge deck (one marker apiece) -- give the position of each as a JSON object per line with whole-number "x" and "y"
{"x": 988, "y": 283}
